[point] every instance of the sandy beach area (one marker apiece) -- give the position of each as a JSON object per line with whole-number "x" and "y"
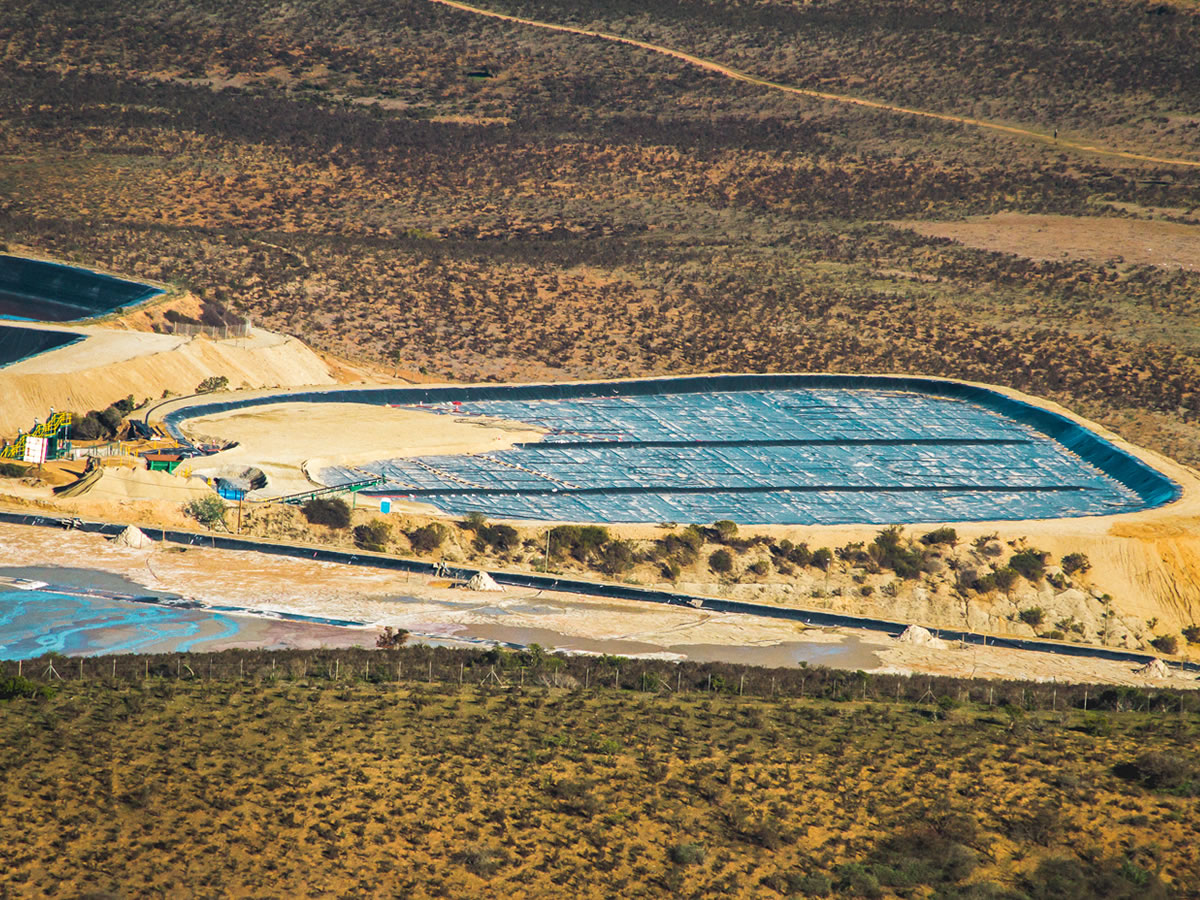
{"x": 434, "y": 609}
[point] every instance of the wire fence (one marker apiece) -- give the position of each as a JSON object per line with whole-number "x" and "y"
{"x": 535, "y": 669}
{"x": 216, "y": 332}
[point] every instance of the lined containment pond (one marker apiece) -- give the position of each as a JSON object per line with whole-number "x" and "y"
{"x": 757, "y": 449}
{"x": 816, "y": 456}
{"x": 49, "y": 292}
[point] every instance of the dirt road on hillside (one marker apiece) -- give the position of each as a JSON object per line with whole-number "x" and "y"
{"x": 711, "y": 66}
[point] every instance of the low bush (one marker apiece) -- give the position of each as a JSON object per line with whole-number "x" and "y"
{"x": 207, "y": 510}
{"x": 686, "y": 854}
{"x": 721, "y": 562}
{"x": 17, "y": 686}
{"x": 333, "y": 512}
{"x": 373, "y": 536}
{"x": 1033, "y": 616}
{"x": 427, "y": 538}
{"x": 1075, "y": 562}
{"x": 11, "y": 470}
{"x": 725, "y": 529}
{"x": 939, "y": 536}
{"x": 1030, "y": 564}
{"x": 1005, "y": 577}
{"x": 497, "y": 538}
{"x": 1167, "y": 643}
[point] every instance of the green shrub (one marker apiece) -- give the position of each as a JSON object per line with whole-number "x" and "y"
{"x": 812, "y": 885}
{"x": 687, "y": 854}
{"x": 500, "y": 538}
{"x": 721, "y": 561}
{"x": 1031, "y": 564}
{"x": 17, "y": 686}
{"x": 1167, "y": 643}
{"x": 1075, "y": 562}
{"x": 427, "y": 538}
{"x": 11, "y": 470}
{"x": 1033, "y": 616}
{"x": 822, "y": 557}
{"x": 890, "y": 550}
{"x": 1005, "y": 577}
{"x": 582, "y": 542}
{"x": 332, "y": 512}
{"x": 616, "y": 557}
{"x": 373, "y": 536}
{"x": 940, "y": 536}
{"x": 212, "y": 383}
{"x": 726, "y": 530}
{"x": 1192, "y": 633}
{"x": 207, "y": 510}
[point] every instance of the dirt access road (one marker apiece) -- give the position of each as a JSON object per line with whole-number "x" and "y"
{"x": 728, "y": 72}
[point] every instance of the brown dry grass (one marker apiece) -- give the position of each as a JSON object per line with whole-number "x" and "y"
{"x": 292, "y": 788}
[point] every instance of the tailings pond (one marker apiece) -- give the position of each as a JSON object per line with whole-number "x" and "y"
{"x": 49, "y": 292}
{"x": 860, "y": 453}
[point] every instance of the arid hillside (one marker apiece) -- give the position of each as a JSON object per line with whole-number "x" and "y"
{"x": 344, "y": 774}
{"x": 427, "y": 188}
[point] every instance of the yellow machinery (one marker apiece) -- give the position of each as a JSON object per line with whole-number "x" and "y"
{"x": 47, "y": 429}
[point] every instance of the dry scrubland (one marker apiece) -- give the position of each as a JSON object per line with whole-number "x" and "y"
{"x": 333, "y": 170}
{"x": 284, "y": 782}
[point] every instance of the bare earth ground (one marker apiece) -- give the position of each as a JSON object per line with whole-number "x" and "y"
{"x": 287, "y": 440}
{"x": 1149, "y": 561}
{"x": 1095, "y": 238}
{"x": 424, "y": 605}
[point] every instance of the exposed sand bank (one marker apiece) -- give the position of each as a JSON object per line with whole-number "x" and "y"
{"x": 109, "y": 365}
{"x": 288, "y": 440}
{"x": 421, "y": 604}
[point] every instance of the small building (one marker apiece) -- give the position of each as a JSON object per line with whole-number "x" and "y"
{"x": 163, "y": 461}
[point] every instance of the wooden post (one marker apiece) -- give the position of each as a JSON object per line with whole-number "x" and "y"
{"x": 147, "y": 668}
{"x": 710, "y": 682}
{"x": 587, "y": 677}
{"x": 742, "y": 685}
{"x": 1085, "y": 699}
{"x": 678, "y": 680}
{"x": 114, "y": 662}
{"x": 431, "y": 670}
{"x": 460, "y": 673}
{"x": 81, "y": 668}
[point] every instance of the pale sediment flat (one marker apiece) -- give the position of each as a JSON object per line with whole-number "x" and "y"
{"x": 266, "y": 583}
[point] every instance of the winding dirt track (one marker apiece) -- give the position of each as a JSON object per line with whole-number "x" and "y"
{"x": 711, "y": 66}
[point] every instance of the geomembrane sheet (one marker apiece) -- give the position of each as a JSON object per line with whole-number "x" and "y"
{"x": 789, "y": 456}
{"x": 50, "y": 292}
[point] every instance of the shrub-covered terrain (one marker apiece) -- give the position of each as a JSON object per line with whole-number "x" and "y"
{"x": 302, "y": 774}
{"x": 432, "y": 190}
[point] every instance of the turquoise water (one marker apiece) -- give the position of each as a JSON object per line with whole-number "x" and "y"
{"x": 36, "y": 622}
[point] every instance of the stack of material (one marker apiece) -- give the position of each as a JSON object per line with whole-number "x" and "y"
{"x": 922, "y": 637}
{"x": 482, "y": 581}
{"x": 133, "y": 537}
{"x": 1156, "y": 668}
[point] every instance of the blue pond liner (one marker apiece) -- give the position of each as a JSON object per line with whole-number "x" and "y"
{"x": 803, "y": 449}
{"x": 17, "y": 343}
{"x": 34, "y": 290}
